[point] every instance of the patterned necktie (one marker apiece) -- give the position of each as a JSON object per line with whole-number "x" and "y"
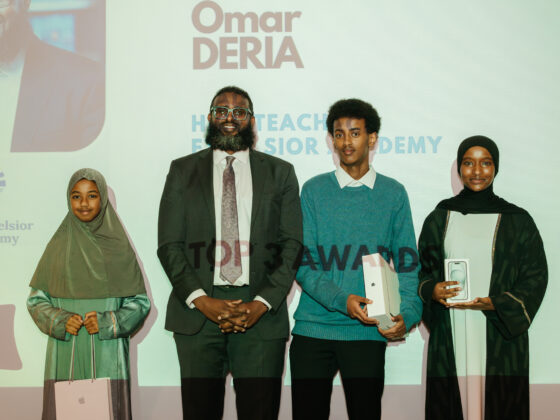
{"x": 230, "y": 269}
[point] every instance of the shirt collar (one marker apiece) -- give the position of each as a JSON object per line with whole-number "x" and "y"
{"x": 345, "y": 180}
{"x": 219, "y": 155}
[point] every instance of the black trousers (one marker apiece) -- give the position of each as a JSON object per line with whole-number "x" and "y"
{"x": 314, "y": 363}
{"x": 207, "y": 357}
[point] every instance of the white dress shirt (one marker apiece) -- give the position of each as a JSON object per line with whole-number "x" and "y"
{"x": 244, "y": 198}
{"x": 10, "y": 81}
{"x": 345, "y": 180}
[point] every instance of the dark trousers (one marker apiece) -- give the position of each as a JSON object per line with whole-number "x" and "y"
{"x": 314, "y": 363}
{"x": 207, "y": 357}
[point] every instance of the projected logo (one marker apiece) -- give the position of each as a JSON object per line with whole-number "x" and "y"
{"x": 61, "y": 103}
{"x": 2, "y": 181}
{"x": 263, "y": 40}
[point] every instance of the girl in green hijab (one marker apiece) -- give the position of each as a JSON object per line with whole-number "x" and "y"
{"x": 88, "y": 282}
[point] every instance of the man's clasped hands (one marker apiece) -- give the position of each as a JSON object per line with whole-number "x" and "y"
{"x": 231, "y": 315}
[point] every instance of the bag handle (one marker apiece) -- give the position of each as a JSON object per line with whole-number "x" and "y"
{"x": 93, "y": 369}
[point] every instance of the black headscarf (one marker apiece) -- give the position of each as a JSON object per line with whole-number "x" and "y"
{"x": 479, "y": 202}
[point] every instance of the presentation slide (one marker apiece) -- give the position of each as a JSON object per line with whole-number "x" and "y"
{"x": 125, "y": 87}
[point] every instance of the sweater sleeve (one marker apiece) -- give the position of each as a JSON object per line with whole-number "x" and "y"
{"x": 516, "y": 308}
{"x": 50, "y": 319}
{"x": 405, "y": 258}
{"x": 124, "y": 321}
{"x": 310, "y": 275}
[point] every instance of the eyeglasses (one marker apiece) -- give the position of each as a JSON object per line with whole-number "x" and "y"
{"x": 238, "y": 113}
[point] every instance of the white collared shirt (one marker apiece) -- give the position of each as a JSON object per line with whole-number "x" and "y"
{"x": 345, "y": 180}
{"x": 244, "y": 198}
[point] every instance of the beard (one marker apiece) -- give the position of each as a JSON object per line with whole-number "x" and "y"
{"x": 243, "y": 140}
{"x": 14, "y": 37}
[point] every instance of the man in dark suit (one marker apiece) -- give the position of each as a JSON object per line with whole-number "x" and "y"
{"x": 61, "y": 105}
{"x": 229, "y": 238}
{"x": 54, "y": 100}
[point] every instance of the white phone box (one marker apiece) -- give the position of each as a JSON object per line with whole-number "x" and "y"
{"x": 382, "y": 287}
{"x": 457, "y": 269}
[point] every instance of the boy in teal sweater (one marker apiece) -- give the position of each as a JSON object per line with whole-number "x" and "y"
{"x": 348, "y": 213}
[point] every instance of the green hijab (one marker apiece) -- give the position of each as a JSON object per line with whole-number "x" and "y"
{"x": 89, "y": 260}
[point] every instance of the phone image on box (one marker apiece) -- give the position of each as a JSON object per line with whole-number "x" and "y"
{"x": 458, "y": 270}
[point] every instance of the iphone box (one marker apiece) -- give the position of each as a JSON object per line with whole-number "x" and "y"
{"x": 382, "y": 287}
{"x": 457, "y": 269}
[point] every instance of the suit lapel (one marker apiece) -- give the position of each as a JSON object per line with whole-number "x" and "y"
{"x": 259, "y": 177}
{"x": 37, "y": 84}
{"x": 205, "y": 172}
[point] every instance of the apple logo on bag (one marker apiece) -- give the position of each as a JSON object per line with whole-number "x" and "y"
{"x": 82, "y": 400}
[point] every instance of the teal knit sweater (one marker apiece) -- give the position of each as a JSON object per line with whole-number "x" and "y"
{"x": 339, "y": 227}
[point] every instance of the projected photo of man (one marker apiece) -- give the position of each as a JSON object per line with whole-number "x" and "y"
{"x": 53, "y": 100}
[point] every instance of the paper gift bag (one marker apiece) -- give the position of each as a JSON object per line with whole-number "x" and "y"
{"x": 86, "y": 399}
{"x": 83, "y": 400}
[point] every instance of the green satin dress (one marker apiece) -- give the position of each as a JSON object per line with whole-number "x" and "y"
{"x": 117, "y": 318}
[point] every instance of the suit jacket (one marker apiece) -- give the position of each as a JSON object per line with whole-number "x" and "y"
{"x": 186, "y": 236}
{"x": 61, "y": 104}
